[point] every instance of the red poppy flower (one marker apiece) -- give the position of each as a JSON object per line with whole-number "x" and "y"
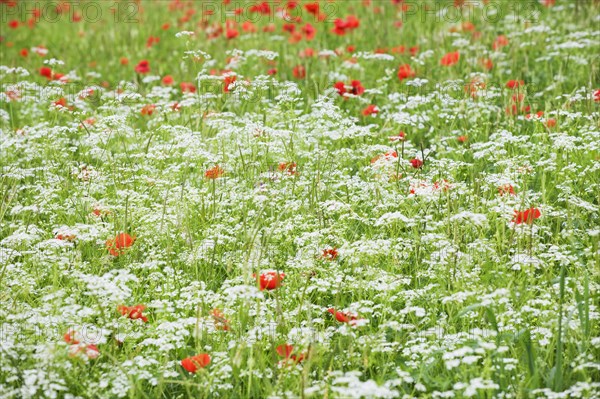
{"x": 142, "y": 67}
{"x": 513, "y": 84}
{"x": 86, "y": 93}
{"x": 187, "y": 87}
{"x": 343, "y": 26}
{"x": 148, "y": 109}
{"x": 506, "y": 189}
{"x": 398, "y": 50}
{"x": 288, "y": 167}
{"x": 124, "y": 61}
{"x": 450, "y": 58}
{"x": 214, "y": 173}
{"x": 340, "y": 87}
{"x": 299, "y": 72}
{"x": 416, "y": 163}
{"x": 516, "y": 105}
{"x": 472, "y": 88}
{"x": 287, "y": 352}
{"x": 88, "y": 122}
{"x": 13, "y": 94}
{"x": 133, "y": 312}
{"x": 49, "y": 74}
{"x": 65, "y": 237}
{"x": 387, "y": 156}
{"x": 312, "y": 8}
{"x": 462, "y": 139}
{"x": 468, "y": 26}
{"x": 261, "y": 8}
{"x": 290, "y": 28}
{"x": 231, "y": 33}
{"x": 97, "y": 211}
{"x": 270, "y": 280}
{"x": 152, "y": 40}
{"x": 339, "y": 27}
{"x": 550, "y": 123}
{"x": 538, "y": 114}
{"x": 405, "y": 72}
{"x": 248, "y": 26}
{"x": 13, "y": 24}
{"x": 88, "y": 351}
{"x": 195, "y": 363}
{"x": 370, "y": 110}
{"x": 306, "y": 53}
{"x": 501, "y": 41}
{"x": 168, "y": 80}
{"x": 343, "y": 317}
{"x": 487, "y": 63}
{"x": 514, "y": 110}
{"x": 356, "y": 88}
{"x": 400, "y": 137}
{"x": 71, "y": 337}
{"x": 24, "y": 52}
{"x": 118, "y": 245}
{"x": 221, "y": 323}
{"x": 309, "y": 31}
{"x": 597, "y": 95}
{"x": 227, "y": 81}
{"x": 91, "y": 351}
{"x": 352, "y": 22}
{"x": 330, "y": 253}
{"x": 527, "y": 216}
{"x": 61, "y": 102}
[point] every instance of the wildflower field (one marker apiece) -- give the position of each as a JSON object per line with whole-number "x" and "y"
{"x": 300, "y": 199}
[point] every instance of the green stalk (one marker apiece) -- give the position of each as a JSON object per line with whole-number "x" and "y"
{"x": 559, "y": 347}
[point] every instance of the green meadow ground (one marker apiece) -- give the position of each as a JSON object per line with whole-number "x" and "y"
{"x": 460, "y": 261}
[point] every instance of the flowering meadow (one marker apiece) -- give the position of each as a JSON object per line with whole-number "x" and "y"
{"x": 300, "y": 199}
